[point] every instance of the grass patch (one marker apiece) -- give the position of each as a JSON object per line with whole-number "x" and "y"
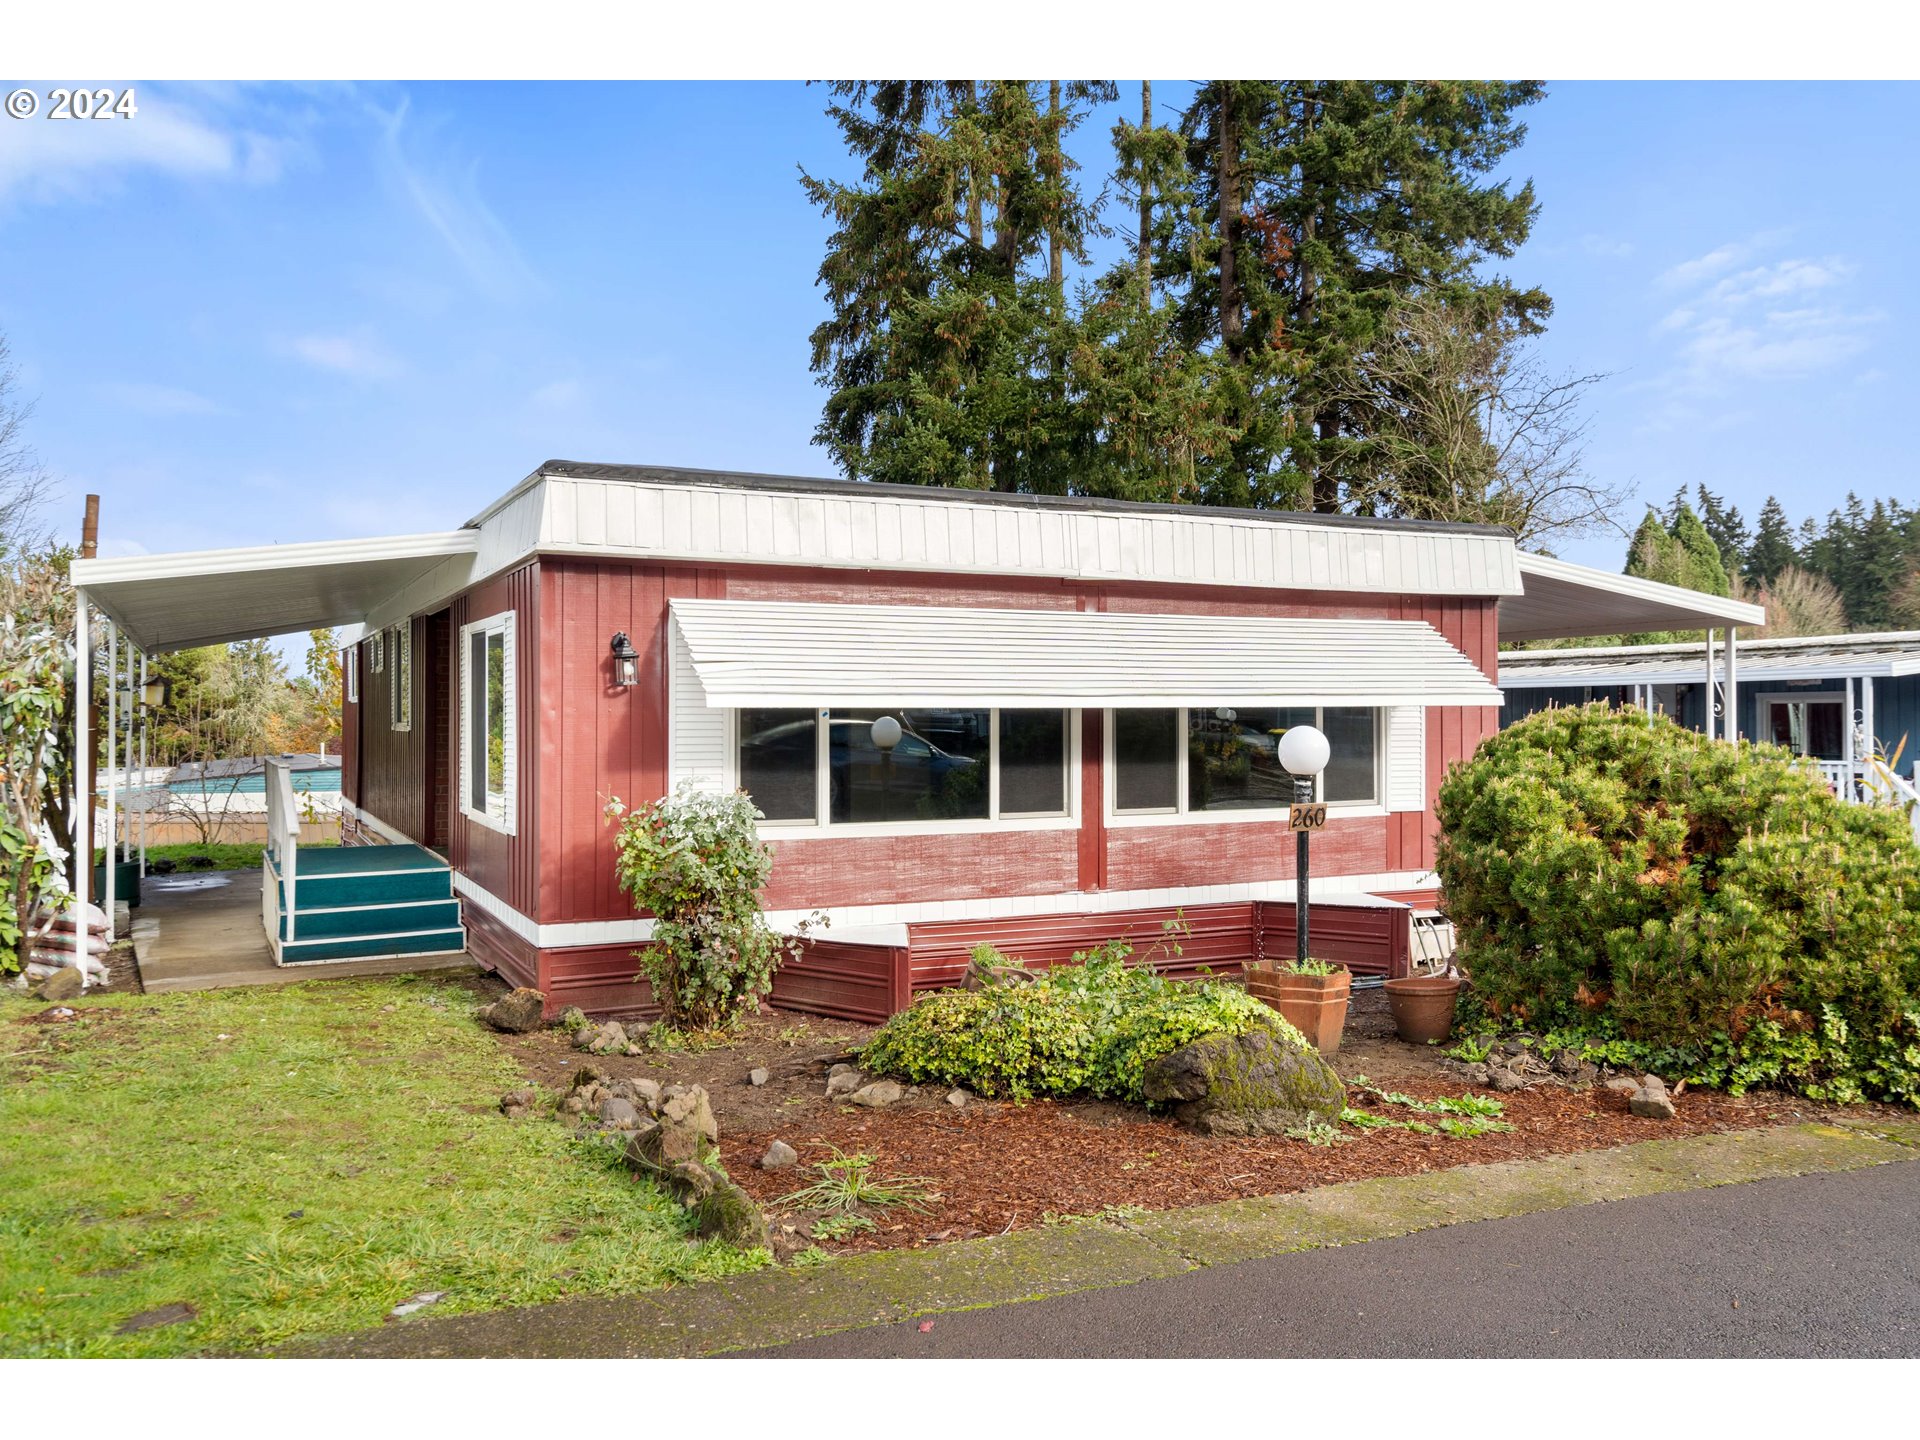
{"x": 220, "y": 856}
{"x": 847, "y": 1182}
{"x": 294, "y": 1162}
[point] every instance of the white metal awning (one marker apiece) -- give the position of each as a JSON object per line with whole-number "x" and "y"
{"x": 751, "y": 653}
{"x": 1565, "y": 601}
{"x": 208, "y": 597}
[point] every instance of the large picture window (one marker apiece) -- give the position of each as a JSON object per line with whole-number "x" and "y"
{"x": 829, "y": 768}
{"x": 1202, "y": 761}
{"x": 400, "y": 682}
{"x": 487, "y": 692}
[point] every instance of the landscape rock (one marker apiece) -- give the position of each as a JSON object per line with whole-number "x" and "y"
{"x": 1253, "y": 1084}
{"x": 757, "y": 1076}
{"x": 691, "y": 1181}
{"x": 574, "y": 1104}
{"x": 1567, "y": 1063}
{"x": 958, "y": 1098}
{"x": 1476, "y": 1074}
{"x": 688, "y": 1105}
{"x": 173, "y": 1314}
{"x": 517, "y": 1012}
{"x": 1652, "y": 1101}
{"x": 589, "y": 1075}
{"x": 572, "y": 1019}
{"x": 843, "y": 1081}
{"x": 878, "y": 1095}
{"x": 728, "y": 1213}
{"x": 1505, "y": 1081}
{"x": 779, "y": 1156}
{"x": 657, "y": 1148}
{"x": 66, "y": 983}
{"x": 609, "y": 1039}
{"x": 841, "y": 1068}
{"x": 416, "y": 1302}
{"x": 647, "y": 1093}
{"x": 1625, "y": 1084}
{"x": 618, "y": 1114}
{"x": 516, "y": 1103}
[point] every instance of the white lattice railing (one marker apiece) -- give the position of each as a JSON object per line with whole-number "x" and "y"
{"x": 283, "y": 846}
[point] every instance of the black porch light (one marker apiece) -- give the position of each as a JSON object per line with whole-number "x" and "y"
{"x": 626, "y": 659}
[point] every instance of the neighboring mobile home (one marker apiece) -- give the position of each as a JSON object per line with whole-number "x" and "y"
{"x": 1089, "y": 694}
{"x": 1839, "y": 700}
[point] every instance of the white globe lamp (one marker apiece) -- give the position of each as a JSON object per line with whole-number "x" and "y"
{"x": 886, "y": 732}
{"x": 1304, "y": 750}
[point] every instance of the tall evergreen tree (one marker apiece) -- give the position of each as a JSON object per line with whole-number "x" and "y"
{"x": 1772, "y": 549}
{"x": 1704, "y": 570}
{"x": 1727, "y": 527}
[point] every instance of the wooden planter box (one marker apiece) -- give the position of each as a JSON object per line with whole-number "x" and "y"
{"x": 1315, "y": 1005}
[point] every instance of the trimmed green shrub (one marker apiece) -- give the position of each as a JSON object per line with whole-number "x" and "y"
{"x": 1634, "y": 884}
{"x": 1090, "y": 1027}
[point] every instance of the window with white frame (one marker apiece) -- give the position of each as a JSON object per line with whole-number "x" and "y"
{"x": 350, "y": 673}
{"x": 400, "y": 685}
{"x": 487, "y": 721}
{"x": 377, "y": 651}
{"x": 1218, "y": 760}
{"x": 828, "y": 768}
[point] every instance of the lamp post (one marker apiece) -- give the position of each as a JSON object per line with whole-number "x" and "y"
{"x": 886, "y": 735}
{"x": 1303, "y": 754}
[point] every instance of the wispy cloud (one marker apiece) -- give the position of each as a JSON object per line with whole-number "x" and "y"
{"x": 357, "y": 355}
{"x": 1607, "y": 247}
{"x": 160, "y": 401}
{"x": 179, "y": 133}
{"x": 1739, "y": 316}
{"x": 442, "y": 187}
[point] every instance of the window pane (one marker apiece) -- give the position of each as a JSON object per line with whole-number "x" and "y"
{"x": 1033, "y": 762}
{"x": 1350, "y": 769}
{"x": 497, "y": 722}
{"x": 476, "y": 720}
{"x": 1233, "y": 759}
{"x": 938, "y": 770}
{"x": 779, "y": 758}
{"x": 1146, "y": 766}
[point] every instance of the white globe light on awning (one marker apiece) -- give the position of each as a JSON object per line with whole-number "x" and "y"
{"x": 886, "y": 732}
{"x": 1304, "y": 750}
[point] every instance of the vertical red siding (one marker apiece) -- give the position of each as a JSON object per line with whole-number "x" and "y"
{"x": 393, "y": 776}
{"x": 506, "y": 865}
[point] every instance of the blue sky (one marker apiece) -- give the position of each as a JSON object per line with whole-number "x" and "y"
{"x": 272, "y": 313}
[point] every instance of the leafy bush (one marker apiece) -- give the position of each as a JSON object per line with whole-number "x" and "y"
{"x": 1709, "y": 906}
{"x": 1090, "y": 1027}
{"x": 694, "y": 861}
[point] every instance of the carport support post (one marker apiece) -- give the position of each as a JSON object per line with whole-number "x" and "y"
{"x": 1733, "y": 684}
{"x": 146, "y": 732}
{"x": 113, "y": 716}
{"x": 1707, "y": 717}
{"x": 82, "y": 774}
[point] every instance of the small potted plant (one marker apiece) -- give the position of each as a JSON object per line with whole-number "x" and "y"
{"x": 1311, "y": 996}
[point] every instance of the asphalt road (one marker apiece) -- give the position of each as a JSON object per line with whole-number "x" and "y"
{"x": 1822, "y": 1265}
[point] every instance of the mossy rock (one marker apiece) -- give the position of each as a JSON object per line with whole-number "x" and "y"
{"x": 728, "y": 1213}
{"x": 1253, "y": 1084}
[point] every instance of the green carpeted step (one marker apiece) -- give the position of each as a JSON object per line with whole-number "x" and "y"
{"x": 332, "y": 892}
{"x": 368, "y": 947}
{"x": 373, "y": 919}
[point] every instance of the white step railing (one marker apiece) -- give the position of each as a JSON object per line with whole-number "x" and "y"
{"x": 283, "y": 849}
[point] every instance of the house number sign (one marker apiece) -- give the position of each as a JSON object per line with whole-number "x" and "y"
{"x": 1307, "y": 817}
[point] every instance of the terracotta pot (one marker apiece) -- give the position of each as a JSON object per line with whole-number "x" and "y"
{"x": 1315, "y": 1005}
{"x": 1422, "y": 1007}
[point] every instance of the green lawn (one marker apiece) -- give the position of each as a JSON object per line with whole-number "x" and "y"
{"x": 224, "y": 856}
{"x": 295, "y": 1161}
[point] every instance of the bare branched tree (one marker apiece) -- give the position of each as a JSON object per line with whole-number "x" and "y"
{"x": 25, "y": 485}
{"x": 1797, "y": 602}
{"x": 1461, "y": 421}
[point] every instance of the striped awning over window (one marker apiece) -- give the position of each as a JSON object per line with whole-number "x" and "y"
{"x": 763, "y": 653}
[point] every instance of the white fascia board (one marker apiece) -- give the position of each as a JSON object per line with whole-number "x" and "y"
{"x": 185, "y": 563}
{"x": 1718, "y": 609}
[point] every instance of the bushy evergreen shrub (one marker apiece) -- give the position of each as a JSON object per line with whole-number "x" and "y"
{"x": 1086, "y": 1028}
{"x": 1706, "y": 903}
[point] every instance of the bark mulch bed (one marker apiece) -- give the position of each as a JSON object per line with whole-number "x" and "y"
{"x": 1003, "y": 1167}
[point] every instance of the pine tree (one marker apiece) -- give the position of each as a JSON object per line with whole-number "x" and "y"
{"x": 1772, "y": 549}
{"x": 1878, "y": 565}
{"x": 1703, "y": 569}
{"x": 1725, "y": 525}
{"x": 1322, "y": 203}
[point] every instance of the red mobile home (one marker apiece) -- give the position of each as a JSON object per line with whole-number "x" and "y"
{"x": 1088, "y": 695}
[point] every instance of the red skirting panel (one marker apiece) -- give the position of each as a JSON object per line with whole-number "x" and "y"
{"x": 1367, "y": 939}
{"x": 603, "y": 980}
{"x": 500, "y": 950}
{"x": 866, "y": 983}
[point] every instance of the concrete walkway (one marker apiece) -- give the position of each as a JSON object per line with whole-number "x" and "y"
{"x": 201, "y": 930}
{"x": 775, "y": 1307}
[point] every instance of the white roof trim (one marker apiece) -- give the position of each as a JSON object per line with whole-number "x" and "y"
{"x": 209, "y": 597}
{"x": 767, "y": 653}
{"x": 1561, "y": 600}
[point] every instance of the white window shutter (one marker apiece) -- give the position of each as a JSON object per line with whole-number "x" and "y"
{"x": 696, "y": 735}
{"x": 1406, "y": 757}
